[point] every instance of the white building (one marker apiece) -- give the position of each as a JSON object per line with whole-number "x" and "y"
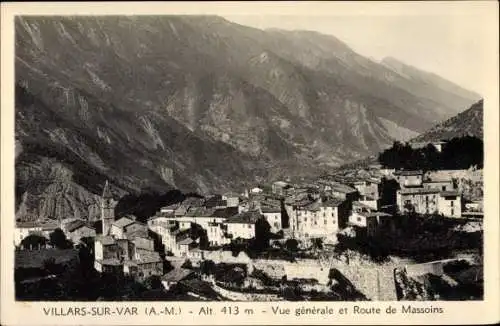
{"x": 409, "y": 178}
{"x": 316, "y": 219}
{"x": 242, "y": 225}
{"x": 273, "y": 217}
{"x": 43, "y": 228}
{"x": 450, "y": 204}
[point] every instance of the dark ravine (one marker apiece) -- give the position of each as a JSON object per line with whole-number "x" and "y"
{"x": 198, "y": 104}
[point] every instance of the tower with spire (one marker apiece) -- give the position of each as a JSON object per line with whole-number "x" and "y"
{"x": 107, "y": 209}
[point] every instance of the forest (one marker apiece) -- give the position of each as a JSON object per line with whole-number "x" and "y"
{"x": 456, "y": 154}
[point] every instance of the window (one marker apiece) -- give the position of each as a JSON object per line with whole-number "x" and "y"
{"x": 443, "y": 188}
{"x": 249, "y": 226}
{"x": 452, "y": 211}
{"x": 359, "y": 219}
{"x": 451, "y": 204}
{"x": 325, "y": 221}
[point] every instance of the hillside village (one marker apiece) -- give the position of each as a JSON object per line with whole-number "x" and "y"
{"x": 288, "y": 239}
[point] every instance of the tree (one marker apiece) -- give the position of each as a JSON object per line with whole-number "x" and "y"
{"x": 187, "y": 264}
{"x": 292, "y": 245}
{"x": 58, "y": 239}
{"x": 317, "y": 243}
{"x": 153, "y": 282}
{"x": 207, "y": 267}
{"x": 34, "y": 241}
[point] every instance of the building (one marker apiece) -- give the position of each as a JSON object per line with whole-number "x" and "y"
{"x": 124, "y": 246}
{"x": 315, "y": 218}
{"x": 256, "y": 190}
{"x": 441, "y": 184}
{"x": 450, "y": 204}
{"x": 242, "y": 225}
{"x": 338, "y": 190}
{"x": 272, "y": 215}
{"x": 78, "y": 229}
{"x": 107, "y": 254}
{"x": 409, "y": 178}
{"x": 232, "y": 199}
{"x": 279, "y": 188}
{"x": 118, "y": 227}
{"x": 40, "y": 227}
{"x": 418, "y": 200}
{"x": 429, "y": 201}
{"x": 107, "y": 209}
{"x": 438, "y": 145}
{"x": 370, "y": 220}
{"x": 175, "y": 276}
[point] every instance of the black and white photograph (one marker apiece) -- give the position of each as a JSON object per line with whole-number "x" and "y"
{"x": 176, "y": 157}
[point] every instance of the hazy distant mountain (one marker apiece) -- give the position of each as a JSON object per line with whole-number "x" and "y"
{"x": 467, "y": 123}
{"x": 197, "y": 103}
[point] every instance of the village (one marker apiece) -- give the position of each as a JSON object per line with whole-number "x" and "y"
{"x": 284, "y": 240}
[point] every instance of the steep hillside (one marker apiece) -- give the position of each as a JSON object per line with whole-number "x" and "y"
{"x": 195, "y": 103}
{"x": 467, "y": 123}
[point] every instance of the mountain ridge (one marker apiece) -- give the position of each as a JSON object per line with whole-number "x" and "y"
{"x": 195, "y": 103}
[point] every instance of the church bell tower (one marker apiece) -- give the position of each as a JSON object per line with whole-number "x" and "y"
{"x": 107, "y": 209}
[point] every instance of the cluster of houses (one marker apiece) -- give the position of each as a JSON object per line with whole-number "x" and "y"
{"x": 304, "y": 211}
{"x": 319, "y": 209}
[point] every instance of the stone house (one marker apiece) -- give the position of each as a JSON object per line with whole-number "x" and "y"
{"x": 409, "y": 178}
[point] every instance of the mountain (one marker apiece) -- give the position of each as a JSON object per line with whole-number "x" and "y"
{"x": 467, "y": 123}
{"x": 195, "y": 103}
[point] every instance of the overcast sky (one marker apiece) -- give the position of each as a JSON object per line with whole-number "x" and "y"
{"x": 450, "y": 45}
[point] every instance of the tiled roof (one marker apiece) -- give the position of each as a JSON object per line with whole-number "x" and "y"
{"x": 418, "y": 191}
{"x": 50, "y": 225}
{"x": 280, "y": 183}
{"x": 270, "y": 209}
{"x": 408, "y": 172}
{"x": 123, "y": 222}
{"x": 374, "y": 214}
{"x": 332, "y": 202}
{"x": 185, "y": 241}
{"x": 245, "y": 218}
{"x": 176, "y": 275}
{"x": 146, "y": 256}
{"x": 110, "y": 261}
{"x": 448, "y": 193}
{"x": 74, "y": 225}
{"x": 225, "y": 212}
{"x": 105, "y": 240}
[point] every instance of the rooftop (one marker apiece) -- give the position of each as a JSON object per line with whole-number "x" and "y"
{"x": 177, "y": 274}
{"x": 105, "y": 240}
{"x": 37, "y": 224}
{"x": 375, "y": 214}
{"x": 123, "y": 222}
{"x": 186, "y": 241}
{"x": 408, "y": 172}
{"x": 448, "y": 193}
{"x": 110, "y": 261}
{"x": 332, "y": 202}
{"x": 146, "y": 256}
{"x": 75, "y": 225}
{"x": 225, "y": 212}
{"x": 418, "y": 191}
{"x": 245, "y": 218}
